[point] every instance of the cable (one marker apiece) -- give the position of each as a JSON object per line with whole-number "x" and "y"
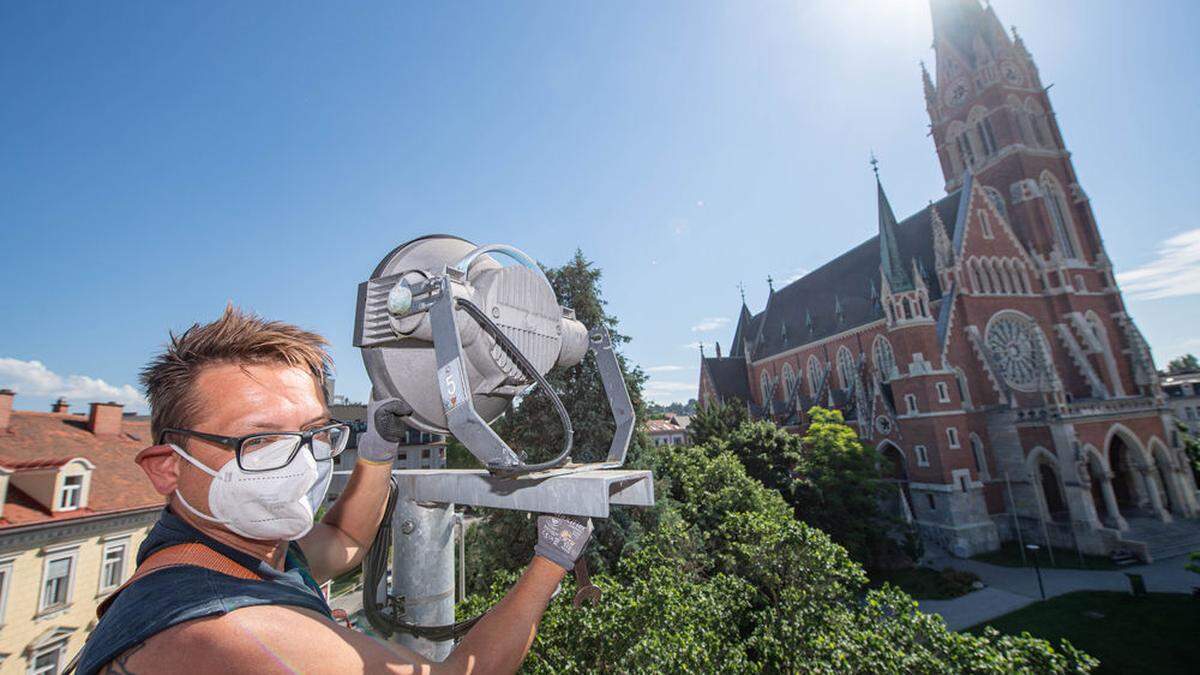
{"x": 385, "y": 619}
{"x": 531, "y": 372}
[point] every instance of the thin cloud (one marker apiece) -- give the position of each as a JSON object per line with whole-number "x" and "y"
{"x": 679, "y": 226}
{"x": 33, "y": 378}
{"x": 693, "y": 345}
{"x": 1174, "y": 273}
{"x": 668, "y": 369}
{"x": 795, "y": 274}
{"x": 669, "y": 392}
{"x": 711, "y": 323}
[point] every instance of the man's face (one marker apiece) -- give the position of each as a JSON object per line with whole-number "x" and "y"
{"x": 239, "y": 399}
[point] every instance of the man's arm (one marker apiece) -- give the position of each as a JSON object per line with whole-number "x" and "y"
{"x": 274, "y": 638}
{"x": 342, "y": 538}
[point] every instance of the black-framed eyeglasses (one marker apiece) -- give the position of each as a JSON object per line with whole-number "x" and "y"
{"x": 276, "y": 449}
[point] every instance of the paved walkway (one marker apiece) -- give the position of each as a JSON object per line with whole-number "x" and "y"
{"x": 1010, "y": 588}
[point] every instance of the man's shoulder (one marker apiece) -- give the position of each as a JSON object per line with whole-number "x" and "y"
{"x": 259, "y": 638}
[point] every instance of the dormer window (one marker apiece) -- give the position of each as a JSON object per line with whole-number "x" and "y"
{"x": 71, "y": 494}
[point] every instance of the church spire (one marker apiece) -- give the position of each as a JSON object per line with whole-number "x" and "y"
{"x": 890, "y": 265}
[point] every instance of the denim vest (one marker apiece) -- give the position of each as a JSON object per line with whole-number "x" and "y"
{"x": 173, "y": 595}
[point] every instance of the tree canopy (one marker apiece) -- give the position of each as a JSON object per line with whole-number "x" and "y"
{"x": 1188, "y": 363}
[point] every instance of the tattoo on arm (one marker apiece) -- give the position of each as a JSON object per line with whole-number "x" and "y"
{"x": 120, "y": 665}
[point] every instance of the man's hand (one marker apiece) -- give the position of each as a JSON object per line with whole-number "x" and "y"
{"x": 380, "y": 447}
{"x": 561, "y": 539}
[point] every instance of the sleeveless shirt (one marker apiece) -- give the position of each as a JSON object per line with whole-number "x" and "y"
{"x": 171, "y": 596}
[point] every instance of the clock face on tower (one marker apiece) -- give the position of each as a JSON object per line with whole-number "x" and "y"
{"x": 1012, "y": 74}
{"x": 957, "y": 94}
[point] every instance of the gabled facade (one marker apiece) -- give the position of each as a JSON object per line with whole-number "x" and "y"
{"x": 980, "y": 344}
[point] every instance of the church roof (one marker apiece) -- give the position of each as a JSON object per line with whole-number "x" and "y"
{"x": 848, "y": 281}
{"x": 729, "y": 377}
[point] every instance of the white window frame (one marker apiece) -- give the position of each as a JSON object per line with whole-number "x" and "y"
{"x": 74, "y": 490}
{"x": 50, "y": 556}
{"x": 922, "y": 455}
{"x": 112, "y": 545}
{"x": 943, "y": 392}
{"x": 59, "y": 647}
{"x": 6, "y": 572}
{"x": 910, "y": 403}
{"x": 952, "y": 436}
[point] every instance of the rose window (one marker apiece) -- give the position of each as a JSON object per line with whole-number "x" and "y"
{"x": 1018, "y": 351}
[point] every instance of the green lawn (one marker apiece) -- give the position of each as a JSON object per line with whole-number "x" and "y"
{"x": 1009, "y": 555}
{"x": 924, "y": 583}
{"x": 1152, "y": 634}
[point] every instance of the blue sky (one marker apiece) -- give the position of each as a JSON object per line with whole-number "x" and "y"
{"x": 160, "y": 159}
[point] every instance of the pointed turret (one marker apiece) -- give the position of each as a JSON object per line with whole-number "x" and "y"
{"x": 718, "y": 349}
{"x": 890, "y": 265}
{"x": 741, "y": 334}
{"x": 930, "y": 90}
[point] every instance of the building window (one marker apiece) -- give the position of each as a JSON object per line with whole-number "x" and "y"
{"x": 885, "y": 358}
{"x": 72, "y": 489}
{"x": 47, "y": 660}
{"x": 952, "y": 436}
{"x": 922, "y": 455}
{"x": 964, "y": 149}
{"x": 980, "y": 461}
{"x": 56, "y": 584}
{"x": 1059, "y": 218}
{"x": 962, "y": 483}
{"x": 910, "y": 402}
{"x": 932, "y": 504}
{"x": 424, "y": 453}
{"x": 6, "y": 569}
{"x": 764, "y": 385}
{"x": 845, "y": 367}
{"x": 814, "y": 374}
{"x": 112, "y": 566}
{"x": 985, "y": 225}
{"x": 984, "y": 128}
{"x": 943, "y": 392}
{"x": 1191, "y": 413}
{"x": 789, "y": 381}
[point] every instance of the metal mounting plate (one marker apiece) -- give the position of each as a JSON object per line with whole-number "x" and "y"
{"x": 579, "y": 493}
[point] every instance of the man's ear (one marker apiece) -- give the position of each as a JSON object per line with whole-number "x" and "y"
{"x": 161, "y": 465}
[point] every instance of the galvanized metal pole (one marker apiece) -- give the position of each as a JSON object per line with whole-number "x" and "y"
{"x": 423, "y": 569}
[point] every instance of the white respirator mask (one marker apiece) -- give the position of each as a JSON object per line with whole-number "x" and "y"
{"x": 274, "y": 505}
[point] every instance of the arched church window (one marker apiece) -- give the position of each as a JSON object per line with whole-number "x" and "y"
{"x": 1038, "y": 125}
{"x": 814, "y": 374}
{"x": 885, "y": 358}
{"x": 789, "y": 381}
{"x": 997, "y": 200}
{"x": 964, "y": 149}
{"x": 1060, "y": 218}
{"x": 1018, "y": 349}
{"x": 964, "y": 392}
{"x": 845, "y": 364}
{"x": 981, "y": 466}
{"x": 764, "y": 384}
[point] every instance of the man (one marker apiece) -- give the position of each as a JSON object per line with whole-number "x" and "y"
{"x": 228, "y": 578}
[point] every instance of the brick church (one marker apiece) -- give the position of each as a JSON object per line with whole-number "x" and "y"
{"x": 981, "y": 345}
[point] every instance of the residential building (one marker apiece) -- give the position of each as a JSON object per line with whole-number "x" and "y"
{"x": 74, "y": 507}
{"x": 673, "y": 430}
{"x": 1183, "y": 395}
{"x": 981, "y": 344}
{"x": 419, "y": 449}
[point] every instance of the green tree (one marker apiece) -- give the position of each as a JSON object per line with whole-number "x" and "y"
{"x": 1191, "y": 445}
{"x": 729, "y": 580}
{"x": 837, "y": 488}
{"x": 1187, "y": 363}
{"x": 717, "y": 420}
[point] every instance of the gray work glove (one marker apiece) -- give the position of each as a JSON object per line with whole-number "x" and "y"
{"x": 561, "y": 539}
{"x": 379, "y": 445}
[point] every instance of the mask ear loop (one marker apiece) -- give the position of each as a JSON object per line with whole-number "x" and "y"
{"x": 179, "y": 495}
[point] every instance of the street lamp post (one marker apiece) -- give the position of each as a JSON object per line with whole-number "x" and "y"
{"x": 1033, "y": 551}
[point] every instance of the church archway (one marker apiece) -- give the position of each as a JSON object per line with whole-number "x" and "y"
{"x": 1166, "y": 478}
{"x": 893, "y": 468}
{"x": 1045, "y": 474}
{"x": 1127, "y": 460}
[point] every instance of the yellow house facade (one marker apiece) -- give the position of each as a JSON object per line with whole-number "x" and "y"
{"x": 74, "y": 510}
